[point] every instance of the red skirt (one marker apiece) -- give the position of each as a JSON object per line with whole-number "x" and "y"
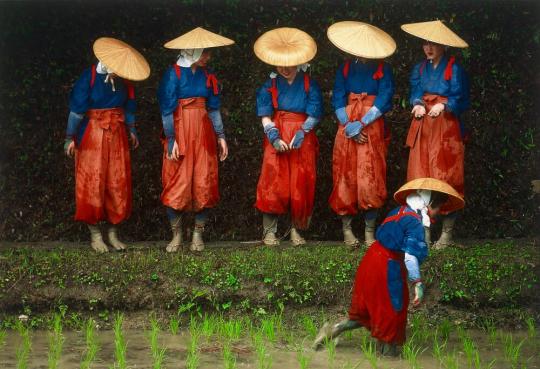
{"x": 437, "y": 150}
{"x": 381, "y": 296}
{"x": 359, "y": 170}
{"x": 103, "y": 169}
{"x": 191, "y": 183}
{"x": 287, "y": 179}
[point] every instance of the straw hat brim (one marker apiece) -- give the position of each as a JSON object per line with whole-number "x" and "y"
{"x": 123, "y": 59}
{"x": 361, "y": 39}
{"x": 285, "y": 47}
{"x": 435, "y": 31}
{"x": 454, "y": 202}
{"x": 198, "y": 38}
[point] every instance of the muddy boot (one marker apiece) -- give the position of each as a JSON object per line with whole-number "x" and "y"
{"x": 446, "y": 235}
{"x": 96, "y": 240}
{"x": 348, "y": 236}
{"x": 112, "y": 234}
{"x": 387, "y": 349}
{"x": 427, "y": 235}
{"x": 296, "y": 238}
{"x": 369, "y": 232}
{"x": 328, "y": 332}
{"x": 270, "y": 229}
{"x": 197, "y": 243}
{"x": 176, "y": 228}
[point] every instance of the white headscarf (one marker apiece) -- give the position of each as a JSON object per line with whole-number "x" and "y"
{"x": 303, "y": 67}
{"x": 103, "y": 69}
{"x": 420, "y": 200}
{"x": 188, "y": 57}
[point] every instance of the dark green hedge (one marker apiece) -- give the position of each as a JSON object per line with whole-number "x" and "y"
{"x": 46, "y": 45}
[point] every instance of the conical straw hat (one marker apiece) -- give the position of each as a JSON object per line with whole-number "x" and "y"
{"x": 361, "y": 39}
{"x": 198, "y": 38}
{"x": 124, "y": 60}
{"x": 285, "y": 47}
{"x": 454, "y": 202}
{"x": 435, "y": 31}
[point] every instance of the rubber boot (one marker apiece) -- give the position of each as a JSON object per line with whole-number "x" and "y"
{"x": 446, "y": 235}
{"x": 176, "y": 228}
{"x": 296, "y": 238}
{"x": 427, "y": 235}
{"x": 328, "y": 332}
{"x": 96, "y": 240}
{"x": 197, "y": 243}
{"x": 369, "y": 232}
{"x": 269, "y": 230}
{"x": 348, "y": 236}
{"x": 112, "y": 234}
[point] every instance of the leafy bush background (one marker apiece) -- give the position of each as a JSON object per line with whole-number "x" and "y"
{"x": 46, "y": 45}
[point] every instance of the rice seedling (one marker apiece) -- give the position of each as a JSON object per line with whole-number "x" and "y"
{"x": 92, "y": 346}
{"x": 451, "y": 361}
{"x": 331, "y": 352}
{"x": 208, "y": 326}
{"x": 230, "y": 330}
{"x": 158, "y": 354}
{"x": 309, "y": 326}
{"x": 174, "y": 325}
{"x": 468, "y": 348}
{"x": 369, "y": 350}
{"x": 411, "y": 352}
{"x": 420, "y": 331}
{"x": 56, "y": 342}
{"x": 193, "y": 357}
{"x": 23, "y": 351}
{"x": 445, "y": 329}
{"x": 512, "y": 350}
{"x": 531, "y": 328}
{"x": 120, "y": 345}
{"x": 3, "y": 335}
{"x": 303, "y": 359}
{"x": 264, "y": 361}
{"x": 268, "y": 329}
{"x": 438, "y": 347}
{"x": 229, "y": 360}
{"x": 489, "y": 327}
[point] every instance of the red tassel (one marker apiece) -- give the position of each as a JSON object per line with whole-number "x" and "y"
{"x": 379, "y": 73}
{"x": 274, "y": 92}
{"x": 130, "y": 90}
{"x": 448, "y": 70}
{"x": 306, "y": 83}
{"x": 93, "y": 79}
{"x": 211, "y": 80}
{"x": 177, "y": 70}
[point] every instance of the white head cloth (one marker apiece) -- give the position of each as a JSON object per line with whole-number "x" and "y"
{"x": 420, "y": 201}
{"x": 188, "y": 57}
{"x": 303, "y": 67}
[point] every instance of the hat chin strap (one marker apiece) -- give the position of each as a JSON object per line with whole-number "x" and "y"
{"x": 103, "y": 69}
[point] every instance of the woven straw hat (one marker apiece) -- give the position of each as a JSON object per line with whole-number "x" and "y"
{"x": 124, "y": 60}
{"x": 285, "y": 47}
{"x": 361, "y": 39}
{"x": 198, "y": 38}
{"x": 454, "y": 202}
{"x": 435, "y": 31}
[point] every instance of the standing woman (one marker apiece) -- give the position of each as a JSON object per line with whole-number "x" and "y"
{"x": 101, "y": 117}
{"x": 439, "y": 95}
{"x": 189, "y": 100}
{"x": 363, "y": 92}
{"x": 290, "y": 105}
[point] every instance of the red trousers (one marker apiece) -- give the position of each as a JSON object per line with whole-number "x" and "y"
{"x": 437, "y": 150}
{"x": 191, "y": 183}
{"x": 103, "y": 169}
{"x": 359, "y": 170}
{"x": 288, "y": 179}
{"x": 371, "y": 303}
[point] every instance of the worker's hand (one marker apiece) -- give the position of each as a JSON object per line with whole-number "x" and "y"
{"x": 223, "y": 149}
{"x": 418, "y": 293}
{"x": 436, "y": 110}
{"x": 418, "y": 111}
{"x": 69, "y": 147}
{"x": 175, "y": 153}
{"x": 280, "y": 145}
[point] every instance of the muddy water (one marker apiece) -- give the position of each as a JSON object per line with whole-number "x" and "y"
{"x": 283, "y": 355}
